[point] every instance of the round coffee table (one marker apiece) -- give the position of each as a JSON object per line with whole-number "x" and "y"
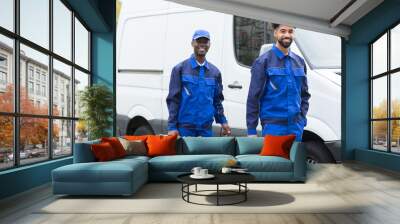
{"x": 238, "y": 179}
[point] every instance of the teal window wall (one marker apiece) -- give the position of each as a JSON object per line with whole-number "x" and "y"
{"x": 385, "y": 92}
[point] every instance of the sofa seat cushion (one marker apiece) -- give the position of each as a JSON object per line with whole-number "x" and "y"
{"x": 133, "y": 158}
{"x": 257, "y": 163}
{"x": 112, "y": 171}
{"x": 185, "y": 163}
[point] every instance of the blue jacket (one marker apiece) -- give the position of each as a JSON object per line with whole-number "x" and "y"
{"x": 278, "y": 91}
{"x": 195, "y": 96}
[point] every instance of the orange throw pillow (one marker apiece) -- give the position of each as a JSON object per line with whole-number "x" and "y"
{"x": 116, "y": 145}
{"x": 136, "y": 137}
{"x": 103, "y": 152}
{"x": 159, "y": 145}
{"x": 277, "y": 145}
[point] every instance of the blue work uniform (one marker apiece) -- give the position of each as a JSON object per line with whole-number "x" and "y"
{"x": 195, "y": 98}
{"x": 278, "y": 94}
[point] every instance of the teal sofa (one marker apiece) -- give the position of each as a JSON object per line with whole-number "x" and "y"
{"x": 125, "y": 176}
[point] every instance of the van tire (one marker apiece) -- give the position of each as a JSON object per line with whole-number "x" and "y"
{"x": 317, "y": 152}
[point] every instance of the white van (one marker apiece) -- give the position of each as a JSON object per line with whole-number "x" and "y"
{"x": 153, "y": 36}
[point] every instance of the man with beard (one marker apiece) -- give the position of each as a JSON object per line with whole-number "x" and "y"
{"x": 278, "y": 92}
{"x": 195, "y": 93}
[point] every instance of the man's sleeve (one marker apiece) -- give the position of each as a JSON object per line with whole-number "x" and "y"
{"x": 218, "y": 98}
{"x": 305, "y": 96}
{"x": 174, "y": 98}
{"x": 257, "y": 83}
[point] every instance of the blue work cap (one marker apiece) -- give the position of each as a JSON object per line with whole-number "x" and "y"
{"x": 200, "y": 33}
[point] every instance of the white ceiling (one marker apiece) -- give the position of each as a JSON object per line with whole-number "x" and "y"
{"x": 327, "y": 16}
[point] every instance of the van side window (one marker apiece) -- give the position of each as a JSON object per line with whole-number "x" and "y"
{"x": 249, "y": 36}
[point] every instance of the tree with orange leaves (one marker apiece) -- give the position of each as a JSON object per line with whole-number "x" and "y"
{"x": 33, "y": 130}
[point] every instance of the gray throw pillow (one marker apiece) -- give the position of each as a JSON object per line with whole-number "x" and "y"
{"x": 136, "y": 147}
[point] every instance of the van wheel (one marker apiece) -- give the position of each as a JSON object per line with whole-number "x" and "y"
{"x": 317, "y": 152}
{"x": 143, "y": 130}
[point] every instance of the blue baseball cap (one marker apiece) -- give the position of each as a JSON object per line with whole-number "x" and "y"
{"x": 200, "y": 33}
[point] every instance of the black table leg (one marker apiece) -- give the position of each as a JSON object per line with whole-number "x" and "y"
{"x": 217, "y": 194}
{"x": 188, "y": 190}
{"x": 245, "y": 193}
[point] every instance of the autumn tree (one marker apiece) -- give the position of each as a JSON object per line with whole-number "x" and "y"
{"x": 380, "y": 127}
{"x": 33, "y": 131}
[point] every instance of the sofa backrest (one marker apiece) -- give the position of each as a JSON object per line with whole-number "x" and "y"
{"x": 206, "y": 145}
{"x": 249, "y": 145}
{"x": 190, "y": 146}
{"x": 83, "y": 152}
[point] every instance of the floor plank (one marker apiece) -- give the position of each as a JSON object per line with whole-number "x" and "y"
{"x": 377, "y": 189}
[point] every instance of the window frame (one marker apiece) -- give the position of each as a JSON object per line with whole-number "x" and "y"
{"x": 234, "y": 23}
{"x": 16, "y": 61}
{"x": 388, "y": 74}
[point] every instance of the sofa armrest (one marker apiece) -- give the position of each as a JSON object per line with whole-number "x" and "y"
{"x": 83, "y": 152}
{"x": 298, "y": 157}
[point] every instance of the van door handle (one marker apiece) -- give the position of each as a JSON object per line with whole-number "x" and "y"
{"x": 235, "y": 85}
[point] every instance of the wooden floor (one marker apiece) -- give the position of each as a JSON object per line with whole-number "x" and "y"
{"x": 377, "y": 188}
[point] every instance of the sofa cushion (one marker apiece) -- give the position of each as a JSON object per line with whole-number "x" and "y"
{"x": 160, "y": 145}
{"x": 112, "y": 171}
{"x": 136, "y": 137}
{"x": 134, "y": 147}
{"x": 208, "y": 145}
{"x": 277, "y": 145}
{"x": 249, "y": 145}
{"x": 185, "y": 163}
{"x": 103, "y": 152}
{"x": 116, "y": 145}
{"x": 131, "y": 158}
{"x": 257, "y": 163}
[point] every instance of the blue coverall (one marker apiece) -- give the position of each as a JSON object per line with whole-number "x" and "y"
{"x": 278, "y": 94}
{"x": 195, "y": 98}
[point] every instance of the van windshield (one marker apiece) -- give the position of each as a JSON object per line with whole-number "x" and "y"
{"x": 320, "y": 50}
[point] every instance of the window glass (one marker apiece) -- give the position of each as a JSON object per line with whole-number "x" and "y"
{"x": 379, "y": 97}
{"x": 62, "y": 138}
{"x": 7, "y": 14}
{"x": 379, "y": 135}
{"x": 395, "y": 95}
{"x": 62, "y": 29}
{"x": 395, "y": 136}
{"x": 81, "y": 82}
{"x": 37, "y": 61}
{"x": 379, "y": 56}
{"x": 6, "y": 142}
{"x": 6, "y": 74}
{"x": 34, "y": 144}
{"x": 35, "y": 21}
{"x": 395, "y": 47}
{"x": 81, "y": 45}
{"x": 62, "y": 91}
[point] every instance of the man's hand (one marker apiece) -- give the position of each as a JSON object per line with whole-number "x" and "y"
{"x": 173, "y": 132}
{"x": 226, "y": 129}
{"x": 252, "y": 136}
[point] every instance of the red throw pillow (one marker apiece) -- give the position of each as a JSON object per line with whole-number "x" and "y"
{"x": 103, "y": 152}
{"x": 277, "y": 145}
{"x": 116, "y": 145}
{"x": 159, "y": 145}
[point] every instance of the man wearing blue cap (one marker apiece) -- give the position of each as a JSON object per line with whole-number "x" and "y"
{"x": 278, "y": 91}
{"x": 195, "y": 93}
